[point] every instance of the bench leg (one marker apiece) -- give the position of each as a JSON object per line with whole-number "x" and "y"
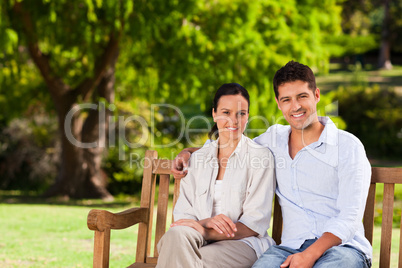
{"x": 101, "y": 249}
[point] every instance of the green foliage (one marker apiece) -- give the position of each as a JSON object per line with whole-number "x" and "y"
{"x": 29, "y": 153}
{"x": 171, "y": 52}
{"x": 362, "y": 22}
{"x": 374, "y": 116}
{"x": 200, "y": 46}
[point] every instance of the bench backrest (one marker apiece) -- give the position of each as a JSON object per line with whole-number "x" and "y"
{"x": 155, "y": 169}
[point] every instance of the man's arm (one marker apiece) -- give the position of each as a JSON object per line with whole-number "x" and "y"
{"x": 308, "y": 257}
{"x": 180, "y": 163}
{"x": 354, "y": 173}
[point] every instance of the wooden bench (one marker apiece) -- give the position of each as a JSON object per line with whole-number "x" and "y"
{"x": 102, "y": 221}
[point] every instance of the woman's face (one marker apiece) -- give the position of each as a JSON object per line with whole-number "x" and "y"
{"x": 231, "y": 116}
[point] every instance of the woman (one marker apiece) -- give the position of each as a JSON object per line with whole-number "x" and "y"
{"x": 224, "y": 207}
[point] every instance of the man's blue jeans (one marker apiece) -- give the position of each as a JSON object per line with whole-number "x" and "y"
{"x": 340, "y": 256}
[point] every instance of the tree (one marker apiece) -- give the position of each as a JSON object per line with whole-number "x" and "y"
{"x": 45, "y": 29}
{"x": 170, "y": 48}
{"x": 372, "y": 24}
{"x": 384, "y": 59}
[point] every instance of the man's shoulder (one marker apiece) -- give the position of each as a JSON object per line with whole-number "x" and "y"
{"x": 339, "y": 137}
{"x": 270, "y": 137}
{"x": 347, "y": 139}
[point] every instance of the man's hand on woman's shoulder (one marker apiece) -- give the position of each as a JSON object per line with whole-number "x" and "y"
{"x": 180, "y": 163}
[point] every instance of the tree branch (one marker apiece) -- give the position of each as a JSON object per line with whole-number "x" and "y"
{"x": 106, "y": 59}
{"x": 55, "y": 84}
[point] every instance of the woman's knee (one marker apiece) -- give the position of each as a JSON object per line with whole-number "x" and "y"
{"x": 179, "y": 234}
{"x": 179, "y": 231}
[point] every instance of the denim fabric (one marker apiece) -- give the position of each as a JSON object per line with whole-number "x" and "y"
{"x": 339, "y": 256}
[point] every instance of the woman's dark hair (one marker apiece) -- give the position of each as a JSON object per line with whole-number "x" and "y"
{"x": 225, "y": 90}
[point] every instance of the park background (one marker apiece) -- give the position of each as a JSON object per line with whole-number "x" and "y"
{"x": 149, "y": 67}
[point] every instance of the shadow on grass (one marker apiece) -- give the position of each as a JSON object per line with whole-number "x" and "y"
{"x": 18, "y": 197}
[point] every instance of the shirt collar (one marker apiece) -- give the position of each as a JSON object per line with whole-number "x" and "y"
{"x": 213, "y": 148}
{"x": 329, "y": 135}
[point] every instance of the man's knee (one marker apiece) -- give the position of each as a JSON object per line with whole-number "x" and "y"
{"x": 342, "y": 256}
{"x": 273, "y": 257}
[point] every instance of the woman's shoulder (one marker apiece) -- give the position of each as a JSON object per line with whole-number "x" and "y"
{"x": 255, "y": 148}
{"x": 205, "y": 152}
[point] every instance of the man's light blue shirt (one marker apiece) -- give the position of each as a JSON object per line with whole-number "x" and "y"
{"x": 324, "y": 188}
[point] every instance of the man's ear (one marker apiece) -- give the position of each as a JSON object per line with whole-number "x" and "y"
{"x": 277, "y": 102}
{"x": 317, "y": 94}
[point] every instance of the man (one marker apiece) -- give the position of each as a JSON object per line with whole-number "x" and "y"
{"x": 323, "y": 177}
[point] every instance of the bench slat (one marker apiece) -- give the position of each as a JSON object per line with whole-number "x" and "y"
{"x": 147, "y": 200}
{"x": 386, "y": 175}
{"x": 162, "y": 166}
{"x": 368, "y": 220}
{"x": 163, "y": 199}
{"x": 175, "y": 194}
{"x": 277, "y": 222}
{"x": 386, "y": 226}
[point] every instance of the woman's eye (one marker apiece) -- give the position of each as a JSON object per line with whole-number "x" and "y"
{"x": 226, "y": 112}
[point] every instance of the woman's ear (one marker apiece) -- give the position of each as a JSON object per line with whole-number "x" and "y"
{"x": 213, "y": 114}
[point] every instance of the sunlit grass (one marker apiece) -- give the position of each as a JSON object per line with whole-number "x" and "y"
{"x": 339, "y": 76}
{"x": 56, "y": 235}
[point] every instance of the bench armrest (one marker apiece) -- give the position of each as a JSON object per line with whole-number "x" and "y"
{"x": 99, "y": 220}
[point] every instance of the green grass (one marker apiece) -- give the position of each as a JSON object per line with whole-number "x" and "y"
{"x": 56, "y": 235}
{"x": 53, "y": 233}
{"x": 339, "y": 76}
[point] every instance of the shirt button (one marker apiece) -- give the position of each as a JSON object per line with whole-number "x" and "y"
{"x": 294, "y": 187}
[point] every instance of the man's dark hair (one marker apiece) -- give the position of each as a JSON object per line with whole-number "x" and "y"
{"x": 294, "y": 71}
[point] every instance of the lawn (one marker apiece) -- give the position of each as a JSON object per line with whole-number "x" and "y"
{"x": 53, "y": 233}
{"x": 56, "y": 235}
{"x": 339, "y": 76}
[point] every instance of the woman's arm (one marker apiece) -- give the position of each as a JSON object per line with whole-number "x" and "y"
{"x": 257, "y": 207}
{"x": 211, "y": 234}
{"x": 242, "y": 232}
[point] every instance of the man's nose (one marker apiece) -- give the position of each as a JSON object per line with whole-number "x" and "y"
{"x": 295, "y": 105}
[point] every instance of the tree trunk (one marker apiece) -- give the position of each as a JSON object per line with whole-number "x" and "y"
{"x": 384, "y": 60}
{"x": 81, "y": 175}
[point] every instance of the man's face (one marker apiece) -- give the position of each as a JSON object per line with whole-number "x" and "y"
{"x": 298, "y": 104}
